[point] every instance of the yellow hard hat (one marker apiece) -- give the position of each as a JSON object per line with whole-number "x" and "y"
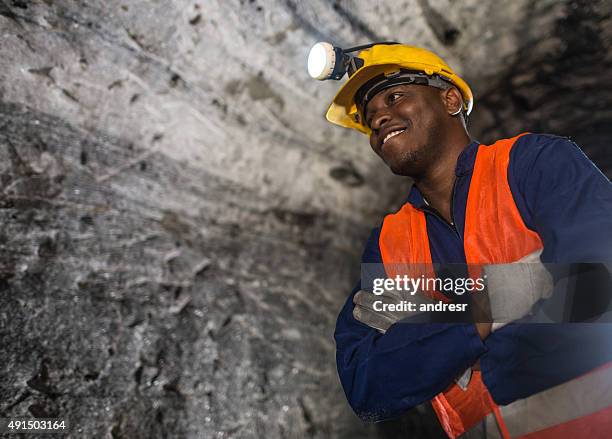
{"x": 388, "y": 59}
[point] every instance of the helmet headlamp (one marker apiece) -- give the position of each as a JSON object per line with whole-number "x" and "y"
{"x": 326, "y": 61}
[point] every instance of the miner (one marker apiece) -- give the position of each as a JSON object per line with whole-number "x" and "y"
{"x": 530, "y": 197}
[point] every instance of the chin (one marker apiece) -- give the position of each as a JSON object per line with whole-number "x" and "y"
{"x": 402, "y": 171}
{"x": 406, "y": 166}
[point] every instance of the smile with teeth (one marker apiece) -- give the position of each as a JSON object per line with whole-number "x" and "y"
{"x": 392, "y": 134}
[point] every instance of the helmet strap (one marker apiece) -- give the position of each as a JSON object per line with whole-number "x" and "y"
{"x": 402, "y": 77}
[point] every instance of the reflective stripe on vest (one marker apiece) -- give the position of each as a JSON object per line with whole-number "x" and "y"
{"x": 495, "y": 233}
{"x": 569, "y": 410}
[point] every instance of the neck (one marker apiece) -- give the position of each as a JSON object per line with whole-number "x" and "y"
{"x": 436, "y": 185}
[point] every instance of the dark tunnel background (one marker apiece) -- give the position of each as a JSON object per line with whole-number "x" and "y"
{"x": 180, "y": 225}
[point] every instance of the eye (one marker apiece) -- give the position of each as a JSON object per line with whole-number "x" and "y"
{"x": 392, "y": 97}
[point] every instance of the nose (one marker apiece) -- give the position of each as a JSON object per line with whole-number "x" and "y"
{"x": 380, "y": 119}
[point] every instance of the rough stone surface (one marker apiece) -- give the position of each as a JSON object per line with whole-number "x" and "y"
{"x": 180, "y": 225}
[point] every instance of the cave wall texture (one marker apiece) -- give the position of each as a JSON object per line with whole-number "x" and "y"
{"x": 180, "y": 225}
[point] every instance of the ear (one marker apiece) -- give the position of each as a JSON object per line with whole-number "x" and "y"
{"x": 452, "y": 100}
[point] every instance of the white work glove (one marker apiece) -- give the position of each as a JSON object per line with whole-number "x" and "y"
{"x": 514, "y": 288}
{"x": 381, "y": 320}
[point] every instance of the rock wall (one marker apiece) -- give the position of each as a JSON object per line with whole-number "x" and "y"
{"x": 180, "y": 225}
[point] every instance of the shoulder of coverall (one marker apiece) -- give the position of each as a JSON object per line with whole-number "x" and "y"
{"x": 543, "y": 157}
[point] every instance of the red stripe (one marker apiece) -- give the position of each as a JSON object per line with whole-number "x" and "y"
{"x": 597, "y": 425}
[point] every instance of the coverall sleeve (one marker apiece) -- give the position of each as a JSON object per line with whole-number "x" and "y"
{"x": 566, "y": 199}
{"x": 385, "y": 375}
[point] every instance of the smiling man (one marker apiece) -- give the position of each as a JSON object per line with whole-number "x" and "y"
{"x": 530, "y": 198}
{"x": 412, "y": 132}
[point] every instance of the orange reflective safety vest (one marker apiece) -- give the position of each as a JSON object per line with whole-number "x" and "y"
{"x": 494, "y": 234}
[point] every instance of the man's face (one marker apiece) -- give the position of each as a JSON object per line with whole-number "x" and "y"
{"x": 407, "y": 125}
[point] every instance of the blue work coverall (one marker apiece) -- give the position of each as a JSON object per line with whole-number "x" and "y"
{"x": 563, "y": 197}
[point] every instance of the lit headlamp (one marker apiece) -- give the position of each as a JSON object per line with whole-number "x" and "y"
{"x": 326, "y": 61}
